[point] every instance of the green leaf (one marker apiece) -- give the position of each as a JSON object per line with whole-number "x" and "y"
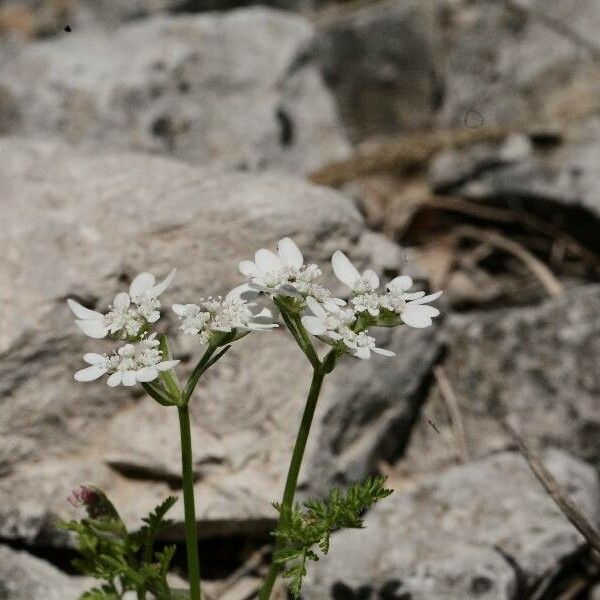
{"x": 304, "y": 530}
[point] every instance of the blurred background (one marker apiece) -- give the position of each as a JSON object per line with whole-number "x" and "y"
{"x": 457, "y": 141}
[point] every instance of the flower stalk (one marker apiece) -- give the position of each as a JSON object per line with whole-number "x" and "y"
{"x": 191, "y": 532}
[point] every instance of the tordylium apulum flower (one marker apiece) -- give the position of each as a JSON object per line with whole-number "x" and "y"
{"x": 129, "y": 314}
{"x": 337, "y": 322}
{"x": 132, "y": 315}
{"x": 213, "y": 316}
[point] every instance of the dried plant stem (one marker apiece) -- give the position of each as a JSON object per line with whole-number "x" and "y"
{"x": 452, "y": 405}
{"x": 568, "y": 508}
{"x": 538, "y": 268}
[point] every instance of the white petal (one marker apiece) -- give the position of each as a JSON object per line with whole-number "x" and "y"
{"x": 415, "y": 317}
{"x": 362, "y": 352}
{"x": 142, "y": 283}
{"x": 81, "y": 312}
{"x": 129, "y": 378}
{"x": 179, "y": 309}
{"x": 90, "y": 373}
{"x": 115, "y": 379}
{"x": 153, "y": 316}
{"x": 92, "y": 358}
{"x": 157, "y": 290}
{"x": 289, "y": 253}
{"x": 412, "y": 295}
{"x": 121, "y": 301}
{"x": 402, "y": 282}
{"x": 267, "y": 260}
{"x": 314, "y": 325}
{"x": 344, "y": 270}
{"x": 426, "y": 299}
{"x": 243, "y": 292}
{"x": 248, "y": 268}
{"x": 383, "y": 352}
{"x": 147, "y": 374}
{"x": 165, "y": 365}
{"x": 372, "y": 278}
{"x": 315, "y": 307}
{"x": 93, "y": 329}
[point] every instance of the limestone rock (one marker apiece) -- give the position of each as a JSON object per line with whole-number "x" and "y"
{"x": 25, "y": 577}
{"x": 220, "y": 89}
{"x": 82, "y": 225}
{"x": 459, "y": 534}
{"x": 379, "y": 62}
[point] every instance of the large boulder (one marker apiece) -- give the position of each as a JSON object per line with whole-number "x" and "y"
{"x": 81, "y": 225}
{"x": 212, "y": 89}
{"x": 24, "y": 577}
{"x": 477, "y": 531}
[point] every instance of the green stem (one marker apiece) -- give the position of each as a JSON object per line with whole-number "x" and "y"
{"x": 294, "y": 469}
{"x": 191, "y": 533}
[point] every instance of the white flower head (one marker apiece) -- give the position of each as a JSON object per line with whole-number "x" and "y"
{"x": 129, "y": 314}
{"x": 224, "y": 315}
{"x": 284, "y": 273}
{"x": 412, "y": 307}
{"x": 362, "y": 344}
{"x": 128, "y": 365}
{"x": 332, "y": 323}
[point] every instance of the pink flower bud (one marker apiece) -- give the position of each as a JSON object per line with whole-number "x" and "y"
{"x": 82, "y": 496}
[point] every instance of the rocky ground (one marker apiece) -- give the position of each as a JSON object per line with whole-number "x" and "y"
{"x": 454, "y": 140}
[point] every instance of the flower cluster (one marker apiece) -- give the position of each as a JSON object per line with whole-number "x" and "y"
{"x": 129, "y": 318}
{"x": 342, "y": 324}
{"x": 284, "y": 273}
{"x": 213, "y": 316}
{"x": 130, "y": 314}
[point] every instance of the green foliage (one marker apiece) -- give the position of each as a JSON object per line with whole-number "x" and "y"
{"x": 124, "y": 561}
{"x": 303, "y": 531}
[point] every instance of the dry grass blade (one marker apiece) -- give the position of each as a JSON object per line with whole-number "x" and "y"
{"x": 453, "y": 407}
{"x": 538, "y": 268}
{"x": 568, "y": 508}
{"x": 400, "y": 156}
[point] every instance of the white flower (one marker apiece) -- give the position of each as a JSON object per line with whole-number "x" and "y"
{"x": 129, "y": 313}
{"x": 128, "y": 365}
{"x": 331, "y": 322}
{"x": 223, "y": 315}
{"x": 411, "y": 306}
{"x": 368, "y": 302}
{"x": 361, "y": 345}
{"x": 283, "y": 273}
{"x": 349, "y": 275}
{"x": 328, "y": 320}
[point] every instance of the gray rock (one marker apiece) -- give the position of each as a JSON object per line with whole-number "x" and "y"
{"x": 502, "y": 64}
{"x": 559, "y": 183}
{"x": 82, "y": 224}
{"x": 211, "y": 89}
{"x": 25, "y": 577}
{"x": 538, "y": 364}
{"x": 459, "y": 534}
{"x": 379, "y": 63}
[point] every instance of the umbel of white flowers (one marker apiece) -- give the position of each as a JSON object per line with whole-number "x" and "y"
{"x": 282, "y": 277}
{"x": 340, "y": 323}
{"x": 131, "y": 316}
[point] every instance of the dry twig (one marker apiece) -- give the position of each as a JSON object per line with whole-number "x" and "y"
{"x": 453, "y": 407}
{"x": 537, "y": 267}
{"x": 568, "y": 508}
